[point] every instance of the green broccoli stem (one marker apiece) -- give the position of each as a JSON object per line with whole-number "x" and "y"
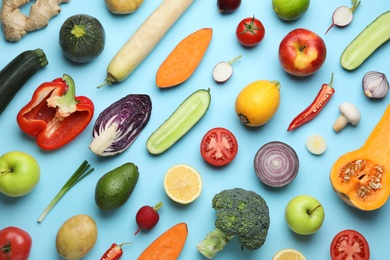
{"x": 214, "y": 242}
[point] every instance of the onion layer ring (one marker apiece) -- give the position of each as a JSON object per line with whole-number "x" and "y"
{"x": 276, "y": 164}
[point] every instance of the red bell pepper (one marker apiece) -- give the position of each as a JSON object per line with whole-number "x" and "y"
{"x": 315, "y": 107}
{"x": 114, "y": 252}
{"x": 55, "y": 116}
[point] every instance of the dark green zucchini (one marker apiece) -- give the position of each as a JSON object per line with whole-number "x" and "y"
{"x": 17, "y": 72}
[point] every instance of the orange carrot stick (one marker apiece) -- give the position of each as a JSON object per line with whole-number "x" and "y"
{"x": 184, "y": 59}
{"x": 167, "y": 246}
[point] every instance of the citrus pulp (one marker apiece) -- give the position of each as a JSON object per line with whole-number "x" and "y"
{"x": 182, "y": 183}
{"x": 289, "y": 254}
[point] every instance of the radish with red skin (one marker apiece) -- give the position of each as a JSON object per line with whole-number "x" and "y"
{"x": 147, "y": 217}
{"x": 343, "y": 15}
{"x": 223, "y": 70}
{"x": 228, "y": 6}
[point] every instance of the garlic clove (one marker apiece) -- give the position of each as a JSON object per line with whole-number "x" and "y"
{"x": 375, "y": 84}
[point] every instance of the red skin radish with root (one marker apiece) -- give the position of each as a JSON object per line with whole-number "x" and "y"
{"x": 147, "y": 217}
{"x": 343, "y": 15}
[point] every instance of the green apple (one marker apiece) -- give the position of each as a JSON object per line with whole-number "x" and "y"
{"x": 290, "y": 10}
{"x": 304, "y": 215}
{"x": 19, "y": 173}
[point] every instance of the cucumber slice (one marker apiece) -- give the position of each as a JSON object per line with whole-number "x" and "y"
{"x": 190, "y": 111}
{"x": 366, "y": 43}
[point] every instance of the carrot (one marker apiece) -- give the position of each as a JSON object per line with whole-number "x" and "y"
{"x": 144, "y": 39}
{"x": 184, "y": 59}
{"x": 168, "y": 245}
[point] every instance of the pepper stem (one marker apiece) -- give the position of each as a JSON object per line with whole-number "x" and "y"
{"x": 124, "y": 243}
{"x": 331, "y": 81}
{"x": 65, "y": 104}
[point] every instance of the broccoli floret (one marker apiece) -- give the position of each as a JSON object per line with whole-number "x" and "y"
{"x": 240, "y": 213}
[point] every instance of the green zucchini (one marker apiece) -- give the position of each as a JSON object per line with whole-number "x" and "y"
{"x": 190, "y": 111}
{"x": 17, "y": 72}
{"x": 82, "y": 38}
{"x": 367, "y": 42}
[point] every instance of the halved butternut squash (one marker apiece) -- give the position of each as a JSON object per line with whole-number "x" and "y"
{"x": 361, "y": 177}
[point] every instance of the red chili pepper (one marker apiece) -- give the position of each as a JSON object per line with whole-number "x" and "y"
{"x": 55, "y": 116}
{"x": 315, "y": 107}
{"x": 114, "y": 252}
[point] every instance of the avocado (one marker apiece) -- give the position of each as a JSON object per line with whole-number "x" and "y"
{"x": 114, "y": 188}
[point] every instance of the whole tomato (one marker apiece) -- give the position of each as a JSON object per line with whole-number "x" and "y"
{"x": 250, "y": 31}
{"x": 15, "y": 244}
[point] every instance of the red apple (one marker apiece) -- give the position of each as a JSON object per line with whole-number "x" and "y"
{"x": 302, "y": 52}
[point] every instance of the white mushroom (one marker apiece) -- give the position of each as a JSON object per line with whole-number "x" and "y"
{"x": 348, "y": 114}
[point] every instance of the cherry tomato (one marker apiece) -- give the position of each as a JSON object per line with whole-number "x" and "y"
{"x": 219, "y": 146}
{"x": 349, "y": 244}
{"x": 250, "y": 32}
{"x": 15, "y": 244}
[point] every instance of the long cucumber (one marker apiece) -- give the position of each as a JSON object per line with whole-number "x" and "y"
{"x": 367, "y": 42}
{"x": 190, "y": 111}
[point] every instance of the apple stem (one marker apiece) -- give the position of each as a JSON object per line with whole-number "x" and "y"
{"x": 311, "y": 211}
{"x": 3, "y": 172}
{"x": 302, "y": 48}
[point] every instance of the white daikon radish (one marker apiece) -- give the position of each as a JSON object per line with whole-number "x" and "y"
{"x": 144, "y": 39}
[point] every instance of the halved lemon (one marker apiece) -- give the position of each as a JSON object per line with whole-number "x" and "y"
{"x": 289, "y": 254}
{"x": 182, "y": 183}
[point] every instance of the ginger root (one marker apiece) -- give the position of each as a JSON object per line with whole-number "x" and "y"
{"x": 16, "y": 25}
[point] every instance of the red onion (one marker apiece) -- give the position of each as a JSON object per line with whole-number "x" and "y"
{"x": 375, "y": 84}
{"x": 276, "y": 164}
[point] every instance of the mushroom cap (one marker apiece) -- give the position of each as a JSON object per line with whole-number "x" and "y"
{"x": 350, "y": 112}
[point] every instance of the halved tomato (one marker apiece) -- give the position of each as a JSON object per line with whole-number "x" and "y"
{"x": 349, "y": 244}
{"x": 219, "y": 146}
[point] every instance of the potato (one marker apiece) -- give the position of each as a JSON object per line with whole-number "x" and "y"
{"x": 76, "y": 237}
{"x": 123, "y": 6}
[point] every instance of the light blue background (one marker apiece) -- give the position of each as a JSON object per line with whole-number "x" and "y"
{"x": 260, "y": 62}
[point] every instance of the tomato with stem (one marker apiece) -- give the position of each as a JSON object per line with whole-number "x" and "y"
{"x": 349, "y": 244}
{"x": 15, "y": 243}
{"x": 219, "y": 146}
{"x": 250, "y": 31}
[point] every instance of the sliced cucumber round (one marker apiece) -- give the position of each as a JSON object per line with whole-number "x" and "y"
{"x": 190, "y": 111}
{"x": 367, "y": 42}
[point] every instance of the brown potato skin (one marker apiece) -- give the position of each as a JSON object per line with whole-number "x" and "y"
{"x": 76, "y": 237}
{"x": 123, "y": 6}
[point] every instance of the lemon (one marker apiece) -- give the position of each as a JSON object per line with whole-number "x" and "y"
{"x": 289, "y": 254}
{"x": 290, "y": 10}
{"x": 182, "y": 183}
{"x": 257, "y": 103}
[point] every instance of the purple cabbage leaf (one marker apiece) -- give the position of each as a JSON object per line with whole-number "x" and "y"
{"x": 117, "y": 126}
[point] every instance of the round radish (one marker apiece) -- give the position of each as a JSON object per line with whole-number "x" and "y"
{"x": 343, "y": 15}
{"x": 224, "y": 70}
{"x": 147, "y": 217}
